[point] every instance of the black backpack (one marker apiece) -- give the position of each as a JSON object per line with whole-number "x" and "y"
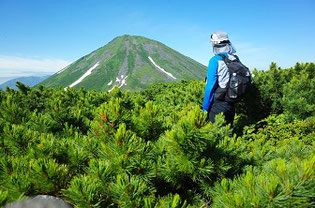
{"x": 238, "y": 84}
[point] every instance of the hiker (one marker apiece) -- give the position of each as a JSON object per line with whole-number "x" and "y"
{"x": 221, "y": 89}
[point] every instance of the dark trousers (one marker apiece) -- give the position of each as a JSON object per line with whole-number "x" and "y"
{"x": 226, "y": 108}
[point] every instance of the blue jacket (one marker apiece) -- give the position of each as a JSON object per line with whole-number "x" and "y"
{"x": 218, "y": 74}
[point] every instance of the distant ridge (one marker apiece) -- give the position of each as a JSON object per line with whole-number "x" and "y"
{"x": 127, "y": 62}
{"x": 30, "y": 81}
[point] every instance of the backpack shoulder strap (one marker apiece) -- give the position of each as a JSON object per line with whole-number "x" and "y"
{"x": 237, "y": 58}
{"x": 226, "y": 60}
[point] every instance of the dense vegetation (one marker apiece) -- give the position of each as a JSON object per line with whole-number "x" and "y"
{"x": 155, "y": 148}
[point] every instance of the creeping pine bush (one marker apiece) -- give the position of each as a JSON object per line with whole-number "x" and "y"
{"x": 155, "y": 148}
{"x": 279, "y": 183}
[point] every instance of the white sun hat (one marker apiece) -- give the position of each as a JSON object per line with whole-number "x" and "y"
{"x": 221, "y": 43}
{"x": 219, "y": 37}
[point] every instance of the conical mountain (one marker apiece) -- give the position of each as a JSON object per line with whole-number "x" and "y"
{"x": 128, "y": 62}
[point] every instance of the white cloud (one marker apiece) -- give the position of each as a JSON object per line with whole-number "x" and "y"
{"x": 20, "y": 66}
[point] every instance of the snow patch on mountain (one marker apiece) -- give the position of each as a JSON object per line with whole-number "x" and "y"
{"x": 123, "y": 81}
{"x": 160, "y": 68}
{"x": 120, "y": 82}
{"x": 84, "y": 75}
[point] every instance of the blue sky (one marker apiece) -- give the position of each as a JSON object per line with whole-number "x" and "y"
{"x": 42, "y": 36}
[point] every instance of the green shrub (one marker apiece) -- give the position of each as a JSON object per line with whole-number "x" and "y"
{"x": 279, "y": 184}
{"x": 155, "y": 148}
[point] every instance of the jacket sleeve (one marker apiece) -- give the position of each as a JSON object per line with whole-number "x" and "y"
{"x": 212, "y": 77}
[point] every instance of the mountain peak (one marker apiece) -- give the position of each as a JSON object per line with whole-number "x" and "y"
{"x": 128, "y": 62}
